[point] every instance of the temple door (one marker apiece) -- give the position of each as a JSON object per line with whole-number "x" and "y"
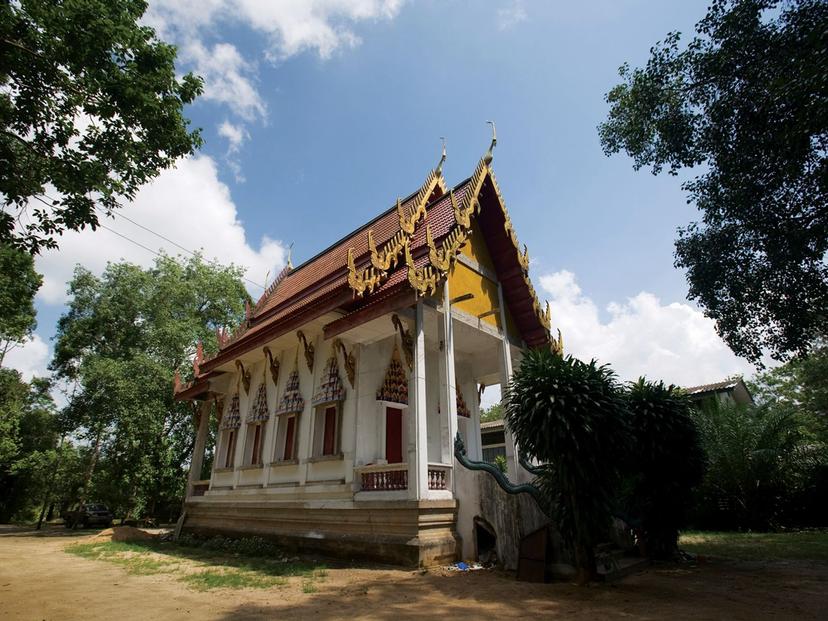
{"x": 393, "y": 435}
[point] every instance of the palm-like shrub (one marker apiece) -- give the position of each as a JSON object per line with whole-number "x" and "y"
{"x": 665, "y": 464}
{"x": 569, "y": 415}
{"x": 754, "y": 456}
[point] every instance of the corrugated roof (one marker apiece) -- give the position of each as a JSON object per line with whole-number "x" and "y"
{"x": 714, "y": 387}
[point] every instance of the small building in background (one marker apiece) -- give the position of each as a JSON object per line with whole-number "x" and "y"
{"x": 731, "y": 391}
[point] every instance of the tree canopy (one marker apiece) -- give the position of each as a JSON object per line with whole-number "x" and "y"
{"x": 743, "y": 106}
{"x": 120, "y": 342}
{"x": 18, "y": 285}
{"x": 90, "y": 110}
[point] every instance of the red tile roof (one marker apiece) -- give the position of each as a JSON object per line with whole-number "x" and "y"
{"x": 320, "y": 285}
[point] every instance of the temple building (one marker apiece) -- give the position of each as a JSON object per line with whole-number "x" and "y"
{"x": 339, "y": 397}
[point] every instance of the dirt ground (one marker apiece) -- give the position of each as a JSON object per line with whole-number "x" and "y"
{"x": 38, "y": 580}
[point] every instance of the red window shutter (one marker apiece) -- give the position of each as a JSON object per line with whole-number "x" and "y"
{"x": 257, "y": 445}
{"x": 393, "y": 435}
{"x": 231, "y": 449}
{"x": 289, "y": 433}
{"x": 329, "y": 440}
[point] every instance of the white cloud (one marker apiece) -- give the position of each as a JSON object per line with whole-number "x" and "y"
{"x": 289, "y": 27}
{"x": 30, "y": 359}
{"x": 511, "y": 15}
{"x": 236, "y": 135}
{"x": 228, "y": 78}
{"x": 187, "y": 204}
{"x": 672, "y": 342}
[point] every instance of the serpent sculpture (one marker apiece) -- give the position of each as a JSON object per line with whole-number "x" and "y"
{"x": 505, "y": 484}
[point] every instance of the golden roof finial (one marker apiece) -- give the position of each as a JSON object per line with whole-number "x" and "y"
{"x": 439, "y": 170}
{"x": 488, "y": 157}
{"x": 290, "y": 252}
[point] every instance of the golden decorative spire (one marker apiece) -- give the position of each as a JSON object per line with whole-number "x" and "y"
{"x": 439, "y": 169}
{"x": 489, "y": 155}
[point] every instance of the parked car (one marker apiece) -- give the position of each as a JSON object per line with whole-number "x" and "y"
{"x": 88, "y": 514}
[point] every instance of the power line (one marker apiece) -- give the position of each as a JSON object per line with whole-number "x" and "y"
{"x": 140, "y": 245}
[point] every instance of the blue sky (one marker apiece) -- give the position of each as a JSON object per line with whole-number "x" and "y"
{"x": 318, "y": 114}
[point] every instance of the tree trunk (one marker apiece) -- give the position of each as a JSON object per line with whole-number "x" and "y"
{"x": 586, "y": 569}
{"x": 90, "y": 471}
{"x": 48, "y": 497}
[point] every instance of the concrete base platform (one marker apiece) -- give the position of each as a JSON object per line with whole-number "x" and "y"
{"x": 410, "y": 532}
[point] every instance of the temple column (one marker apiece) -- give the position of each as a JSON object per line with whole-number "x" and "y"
{"x": 197, "y": 459}
{"x": 418, "y": 451}
{"x": 449, "y": 383}
{"x": 505, "y": 376}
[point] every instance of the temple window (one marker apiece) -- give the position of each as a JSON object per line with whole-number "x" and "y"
{"x": 230, "y": 424}
{"x": 255, "y": 439}
{"x": 286, "y": 437}
{"x": 256, "y": 420}
{"x": 327, "y": 423}
{"x": 229, "y": 448}
{"x": 287, "y": 426}
{"x": 327, "y": 430}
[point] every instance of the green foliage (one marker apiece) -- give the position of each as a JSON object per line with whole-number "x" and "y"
{"x": 90, "y": 105}
{"x": 495, "y": 412}
{"x": 18, "y": 285}
{"x": 754, "y": 458}
{"x": 121, "y": 340}
{"x": 570, "y": 416}
{"x": 743, "y": 103}
{"x": 800, "y": 385}
{"x": 500, "y": 463}
{"x": 665, "y": 463}
{"x": 34, "y": 463}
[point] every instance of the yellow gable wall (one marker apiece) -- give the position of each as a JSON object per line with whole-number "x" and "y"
{"x": 463, "y": 280}
{"x": 475, "y": 248}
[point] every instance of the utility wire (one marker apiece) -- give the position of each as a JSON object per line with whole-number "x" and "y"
{"x": 140, "y": 245}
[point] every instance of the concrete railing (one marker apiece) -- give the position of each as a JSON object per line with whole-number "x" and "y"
{"x": 439, "y": 476}
{"x": 383, "y": 478}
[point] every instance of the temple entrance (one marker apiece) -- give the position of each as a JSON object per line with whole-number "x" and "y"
{"x": 393, "y": 435}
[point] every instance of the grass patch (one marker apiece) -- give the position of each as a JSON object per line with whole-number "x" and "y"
{"x": 134, "y": 558}
{"x": 203, "y": 567}
{"x": 232, "y": 579}
{"x": 800, "y": 546}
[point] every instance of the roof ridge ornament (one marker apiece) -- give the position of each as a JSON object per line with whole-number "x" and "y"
{"x": 439, "y": 169}
{"x": 489, "y": 155}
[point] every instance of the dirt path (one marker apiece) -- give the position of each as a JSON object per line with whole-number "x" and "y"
{"x": 40, "y": 581}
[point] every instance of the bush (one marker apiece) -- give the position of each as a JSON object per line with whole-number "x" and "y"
{"x": 665, "y": 463}
{"x": 569, "y": 415}
{"x": 757, "y": 457}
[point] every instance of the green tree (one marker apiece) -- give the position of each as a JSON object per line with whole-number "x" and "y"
{"x": 120, "y": 342}
{"x": 29, "y": 444}
{"x": 495, "y": 412}
{"x": 802, "y": 386}
{"x": 755, "y": 455}
{"x": 666, "y": 463}
{"x": 90, "y": 108}
{"x": 18, "y": 285}
{"x": 570, "y": 416}
{"x": 743, "y": 107}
